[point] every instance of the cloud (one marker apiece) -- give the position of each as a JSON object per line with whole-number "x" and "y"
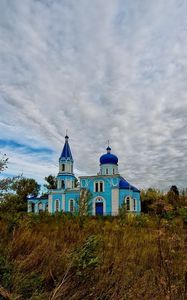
{"x": 115, "y": 71}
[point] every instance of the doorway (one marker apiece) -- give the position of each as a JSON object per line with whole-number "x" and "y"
{"x": 99, "y": 208}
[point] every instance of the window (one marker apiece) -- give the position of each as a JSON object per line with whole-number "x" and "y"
{"x": 56, "y": 205}
{"x": 134, "y": 204}
{"x": 71, "y": 205}
{"x": 128, "y": 203}
{"x": 106, "y": 171}
{"x": 46, "y": 207}
{"x": 99, "y": 186}
{"x": 63, "y": 167}
{"x": 40, "y": 207}
{"x": 62, "y": 184}
{"x": 113, "y": 171}
{"x": 32, "y": 207}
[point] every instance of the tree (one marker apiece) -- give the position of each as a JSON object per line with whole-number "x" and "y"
{"x": 76, "y": 182}
{"x": 174, "y": 188}
{"x": 84, "y": 202}
{"x": 148, "y": 198}
{"x": 15, "y": 200}
{"x": 51, "y": 182}
{"x": 3, "y": 163}
{"x": 173, "y": 196}
{"x": 4, "y": 183}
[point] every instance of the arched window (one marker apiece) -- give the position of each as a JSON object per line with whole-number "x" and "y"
{"x": 99, "y": 186}
{"x": 46, "y": 207}
{"x": 71, "y": 205}
{"x": 113, "y": 171}
{"x": 62, "y": 184}
{"x": 40, "y": 207}
{"x": 63, "y": 167}
{"x": 134, "y": 204}
{"x": 32, "y": 207}
{"x": 56, "y": 205}
{"x": 128, "y": 203}
{"x": 106, "y": 171}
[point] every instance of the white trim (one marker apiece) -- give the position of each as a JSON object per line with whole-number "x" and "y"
{"x": 63, "y": 202}
{"x": 134, "y": 204}
{"x": 99, "y": 190}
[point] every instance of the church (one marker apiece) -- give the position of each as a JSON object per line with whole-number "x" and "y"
{"x": 109, "y": 191}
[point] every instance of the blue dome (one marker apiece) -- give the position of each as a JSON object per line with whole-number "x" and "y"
{"x": 108, "y": 158}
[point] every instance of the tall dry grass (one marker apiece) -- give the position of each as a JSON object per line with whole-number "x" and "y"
{"x": 66, "y": 257}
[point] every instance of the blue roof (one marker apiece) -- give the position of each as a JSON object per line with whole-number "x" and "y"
{"x": 66, "y": 152}
{"x": 124, "y": 184}
{"x": 108, "y": 158}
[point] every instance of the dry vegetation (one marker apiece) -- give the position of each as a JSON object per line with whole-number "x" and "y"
{"x": 66, "y": 257}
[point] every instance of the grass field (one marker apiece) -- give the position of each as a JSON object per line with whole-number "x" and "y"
{"x": 67, "y": 257}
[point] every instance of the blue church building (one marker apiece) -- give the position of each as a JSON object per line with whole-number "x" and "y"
{"x": 108, "y": 189}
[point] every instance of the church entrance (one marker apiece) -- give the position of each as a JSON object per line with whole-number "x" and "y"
{"x": 99, "y": 208}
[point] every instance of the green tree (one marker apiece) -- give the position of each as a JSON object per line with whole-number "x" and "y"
{"x": 51, "y": 182}
{"x": 148, "y": 198}
{"x": 15, "y": 200}
{"x": 173, "y": 196}
{"x": 25, "y": 187}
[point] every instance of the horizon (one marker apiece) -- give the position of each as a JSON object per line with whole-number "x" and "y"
{"x": 106, "y": 72}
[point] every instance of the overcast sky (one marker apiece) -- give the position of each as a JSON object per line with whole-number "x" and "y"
{"x": 103, "y": 69}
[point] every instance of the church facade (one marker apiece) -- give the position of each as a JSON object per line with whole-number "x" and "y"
{"x": 109, "y": 191}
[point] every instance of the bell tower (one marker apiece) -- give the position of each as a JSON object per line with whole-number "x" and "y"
{"x": 66, "y": 178}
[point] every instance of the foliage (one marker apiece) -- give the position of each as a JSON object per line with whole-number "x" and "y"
{"x": 19, "y": 188}
{"x": 3, "y": 163}
{"x": 84, "y": 202}
{"x": 86, "y": 259}
{"x": 51, "y": 182}
{"x": 25, "y": 187}
{"x": 76, "y": 182}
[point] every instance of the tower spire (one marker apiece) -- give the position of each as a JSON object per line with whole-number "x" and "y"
{"x": 108, "y": 149}
{"x": 66, "y": 152}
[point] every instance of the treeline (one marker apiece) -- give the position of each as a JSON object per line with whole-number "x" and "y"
{"x": 155, "y": 201}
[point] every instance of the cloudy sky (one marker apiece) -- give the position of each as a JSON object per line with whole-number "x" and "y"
{"x": 104, "y": 69}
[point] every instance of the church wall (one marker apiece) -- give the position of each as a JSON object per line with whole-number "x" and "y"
{"x": 71, "y": 195}
{"x": 37, "y": 202}
{"x": 112, "y": 169}
{"x": 106, "y": 194}
{"x": 124, "y": 193}
{"x": 134, "y": 195}
{"x": 56, "y": 196}
{"x": 50, "y": 203}
{"x": 138, "y": 202}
